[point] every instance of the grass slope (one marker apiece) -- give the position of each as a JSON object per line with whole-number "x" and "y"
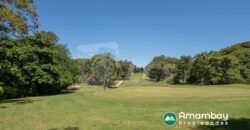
{"x": 137, "y": 104}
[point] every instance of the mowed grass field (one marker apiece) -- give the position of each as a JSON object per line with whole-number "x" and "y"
{"x": 136, "y": 105}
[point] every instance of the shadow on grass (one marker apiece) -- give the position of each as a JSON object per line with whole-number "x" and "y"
{"x": 68, "y": 128}
{"x": 71, "y": 128}
{"x": 22, "y": 101}
{"x": 17, "y": 101}
{"x": 112, "y": 87}
{"x": 3, "y": 107}
{"x": 63, "y": 92}
{"x": 233, "y": 124}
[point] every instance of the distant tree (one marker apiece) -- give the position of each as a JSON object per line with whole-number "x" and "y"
{"x": 168, "y": 62}
{"x": 160, "y": 67}
{"x": 103, "y": 66}
{"x": 84, "y": 66}
{"x": 157, "y": 72}
{"x": 241, "y": 52}
{"x": 138, "y": 69}
{"x": 199, "y": 69}
{"x": 17, "y": 17}
{"x": 183, "y": 67}
{"x": 244, "y": 60}
{"x": 125, "y": 69}
{"x": 230, "y": 70}
{"x": 209, "y": 69}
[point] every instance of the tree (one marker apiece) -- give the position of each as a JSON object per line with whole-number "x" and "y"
{"x": 160, "y": 67}
{"x": 157, "y": 72}
{"x": 17, "y": 17}
{"x": 199, "y": 71}
{"x": 210, "y": 69}
{"x": 124, "y": 69}
{"x": 138, "y": 69}
{"x": 244, "y": 62}
{"x": 230, "y": 70}
{"x": 169, "y": 62}
{"x": 241, "y": 52}
{"x": 35, "y": 65}
{"x": 84, "y": 67}
{"x": 183, "y": 68}
{"x": 103, "y": 66}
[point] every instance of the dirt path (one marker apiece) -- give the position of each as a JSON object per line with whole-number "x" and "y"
{"x": 119, "y": 83}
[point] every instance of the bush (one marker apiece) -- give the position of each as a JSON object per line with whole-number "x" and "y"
{"x": 10, "y": 92}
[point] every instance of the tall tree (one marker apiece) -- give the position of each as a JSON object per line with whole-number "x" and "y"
{"x": 103, "y": 66}
{"x": 183, "y": 68}
{"x": 35, "y": 65}
{"x": 199, "y": 69}
{"x": 17, "y": 17}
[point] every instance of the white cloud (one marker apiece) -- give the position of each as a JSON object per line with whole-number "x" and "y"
{"x": 96, "y": 48}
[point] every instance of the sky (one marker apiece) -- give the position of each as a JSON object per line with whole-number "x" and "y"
{"x": 138, "y": 30}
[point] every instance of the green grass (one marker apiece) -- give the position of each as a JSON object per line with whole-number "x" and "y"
{"x": 137, "y": 104}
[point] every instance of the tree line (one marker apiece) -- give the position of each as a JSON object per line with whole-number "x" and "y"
{"x": 103, "y": 69}
{"x": 229, "y": 65}
{"x": 33, "y": 62}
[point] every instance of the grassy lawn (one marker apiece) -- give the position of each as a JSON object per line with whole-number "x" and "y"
{"x": 136, "y": 104}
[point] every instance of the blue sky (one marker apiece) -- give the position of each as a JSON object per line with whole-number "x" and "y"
{"x": 138, "y": 30}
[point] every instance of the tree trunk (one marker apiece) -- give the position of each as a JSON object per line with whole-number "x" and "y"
{"x": 183, "y": 80}
{"x": 104, "y": 83}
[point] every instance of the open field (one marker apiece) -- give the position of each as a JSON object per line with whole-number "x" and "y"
{"x": 136, "y": 104}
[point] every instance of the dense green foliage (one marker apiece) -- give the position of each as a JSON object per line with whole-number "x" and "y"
{"x": 84, "y": 67}
{"x": 30, "y": 64}
{"x": 241, "y": 52}
{"x": 229, "y": 65}
{"x": 157, "y": 72}
{"x": 17, "y": 17}
{"x": 160, "y": 68}
{"x": 35, "y": 65}
{"x": 138, "y": 69}
{"x": 124, "y": 69}
{"x": 183, "y": 67}
{"x": 215, "y": 70}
